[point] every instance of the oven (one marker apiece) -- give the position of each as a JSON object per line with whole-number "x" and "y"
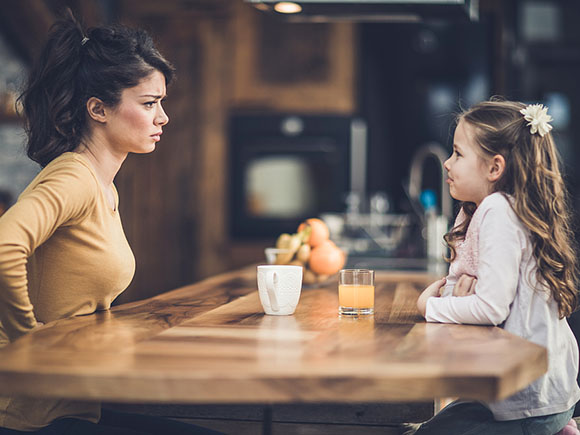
{"x": 285, "y": 168}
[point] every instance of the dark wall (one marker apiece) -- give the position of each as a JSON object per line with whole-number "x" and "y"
{"x": 545, "y": 67}
{"x": 413, "y": 78}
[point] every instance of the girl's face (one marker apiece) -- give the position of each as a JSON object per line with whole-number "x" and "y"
{"x": 137, "y": 122}
{"x": 467, "y": 171}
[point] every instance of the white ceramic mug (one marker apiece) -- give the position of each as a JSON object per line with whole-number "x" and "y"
{"x": 279, "y": 287}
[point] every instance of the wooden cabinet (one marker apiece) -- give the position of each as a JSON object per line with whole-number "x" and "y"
{"x": 8, "y": 107}
{"x": 293, "y": 67}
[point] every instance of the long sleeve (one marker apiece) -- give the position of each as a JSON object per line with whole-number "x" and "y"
{"x": 450, "y": 281}
{"x": 509, "y": 294}
{"x": 502, "y": 240}
{"x": 59, "y": 196}
{"x": 451, "y": 278}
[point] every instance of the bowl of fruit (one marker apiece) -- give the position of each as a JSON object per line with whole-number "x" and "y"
{"x": 311, "y": 248}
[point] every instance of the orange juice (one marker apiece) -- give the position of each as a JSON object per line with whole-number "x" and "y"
{"x": 356, "y": 295}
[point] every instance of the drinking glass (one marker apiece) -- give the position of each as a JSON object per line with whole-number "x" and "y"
{"x": 356, "y": 292}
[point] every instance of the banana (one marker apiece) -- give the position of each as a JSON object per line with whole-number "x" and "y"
{"x": 296, "y": 262}
{"x": 305, "y": 234}
{"x": 303, "y": 253}
{"x": 281, "y": 258}
{"x": 283, "y": 241}
{"x": 293, "y": 244}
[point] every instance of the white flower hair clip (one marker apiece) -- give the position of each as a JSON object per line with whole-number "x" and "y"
{"x": 538, "y": 118}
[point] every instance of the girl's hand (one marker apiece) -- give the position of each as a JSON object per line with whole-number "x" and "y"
{"x": 434, "y": 290}
{"x": 465, "y": 286}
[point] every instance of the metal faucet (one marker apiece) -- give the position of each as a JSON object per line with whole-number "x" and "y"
{"x": 431, "y": 149}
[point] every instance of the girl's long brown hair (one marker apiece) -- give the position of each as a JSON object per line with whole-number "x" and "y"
{"x": 533, "y": 179}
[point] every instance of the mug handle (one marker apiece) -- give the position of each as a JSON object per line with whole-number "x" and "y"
{"x": 271, "y": 284}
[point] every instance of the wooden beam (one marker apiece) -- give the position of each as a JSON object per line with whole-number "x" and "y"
{"x": 174, "y": 8}
{"x": 25, "y": 25}
{"x": 90, "y": 13}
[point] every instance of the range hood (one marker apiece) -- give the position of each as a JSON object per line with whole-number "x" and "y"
{"x": 372, "y": 10}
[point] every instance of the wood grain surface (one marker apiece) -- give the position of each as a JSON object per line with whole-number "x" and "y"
{"x": 211, "y": 343}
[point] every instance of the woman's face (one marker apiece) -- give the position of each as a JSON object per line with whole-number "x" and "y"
{"x": 136, "y": 123}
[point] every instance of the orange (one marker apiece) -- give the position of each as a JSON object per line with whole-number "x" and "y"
{"x": 328, "y": 244}
{"x": 326, "y": 259}
{"x": 319, "y": 231}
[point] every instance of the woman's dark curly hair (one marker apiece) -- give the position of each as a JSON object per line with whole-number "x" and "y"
{"x": 74, "y": 66}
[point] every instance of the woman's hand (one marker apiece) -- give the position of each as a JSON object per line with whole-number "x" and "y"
{"x": 465, "y": 286}
{"x": 434, "y": 290}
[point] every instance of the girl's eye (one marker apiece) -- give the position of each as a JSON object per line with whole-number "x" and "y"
{"x": 457, "y": 154}
{"x": 150, "y": 104}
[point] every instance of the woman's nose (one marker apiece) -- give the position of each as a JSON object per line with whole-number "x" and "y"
{"x": 162, "y": 117}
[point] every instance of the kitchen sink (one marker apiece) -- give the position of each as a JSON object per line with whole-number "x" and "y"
{"x": 395, "y": 263}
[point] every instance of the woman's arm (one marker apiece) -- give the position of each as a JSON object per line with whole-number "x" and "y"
{"x": 64, "y": 195}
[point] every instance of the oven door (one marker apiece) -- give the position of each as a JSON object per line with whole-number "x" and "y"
{"x": 278, "y": 182}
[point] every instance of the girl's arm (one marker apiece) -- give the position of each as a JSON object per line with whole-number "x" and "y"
{"x": 62, "y": 197}
{"x": 432, "y": 291}
{"x": 450, "y": 282}
{"x": 465, "y": 285}
{"x": 501, "y": 242}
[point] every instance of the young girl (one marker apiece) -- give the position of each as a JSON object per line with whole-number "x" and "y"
{"x": 512, "y": 263}
{"x": 93, "y": 98}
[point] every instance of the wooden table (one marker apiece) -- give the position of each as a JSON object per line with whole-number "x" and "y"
{"x": 211, "y": 343}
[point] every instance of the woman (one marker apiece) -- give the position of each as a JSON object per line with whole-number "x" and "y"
{"x": 92, "y": 99}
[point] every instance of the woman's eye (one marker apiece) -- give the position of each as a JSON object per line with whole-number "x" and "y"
{"x": 150, "y": 104}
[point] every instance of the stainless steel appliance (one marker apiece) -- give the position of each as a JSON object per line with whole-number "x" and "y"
{"x": 288, "y": 167}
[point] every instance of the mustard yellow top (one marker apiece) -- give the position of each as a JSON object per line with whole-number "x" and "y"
{"x": 63, "y": 253}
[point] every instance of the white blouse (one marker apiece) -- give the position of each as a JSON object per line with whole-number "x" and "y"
{"x": 507, "y": 294}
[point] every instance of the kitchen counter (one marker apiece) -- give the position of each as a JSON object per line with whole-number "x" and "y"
{"x": 211, "y": 343}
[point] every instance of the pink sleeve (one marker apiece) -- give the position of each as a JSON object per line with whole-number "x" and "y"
{"x": 501, "y": 239}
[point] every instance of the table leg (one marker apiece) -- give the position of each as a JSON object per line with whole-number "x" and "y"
{"x": 267, "y": 421}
